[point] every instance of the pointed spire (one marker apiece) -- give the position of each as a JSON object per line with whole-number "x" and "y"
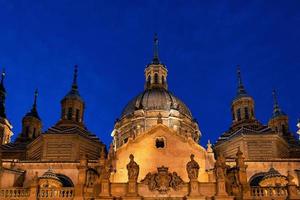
{"x": 155, "y": 59}
{"x": 241, "y": 89}
{"x": 276, "y": 109}
{"x": 2, "y": 95}
{"x": 33, "y": 112}
{"x": 74, "y": 85}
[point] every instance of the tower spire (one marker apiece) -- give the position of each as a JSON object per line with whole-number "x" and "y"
{"x": 74, "y": 85}
{"x": 2, "y": 95}
{"x": 241, "y": 89}
{"x": 276, "y": 109}
{"x": 155, "y": 59}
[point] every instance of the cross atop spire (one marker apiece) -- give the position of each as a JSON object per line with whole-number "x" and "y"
{"x": 74, "y": 85}
{"x": 276, "y": 109}
{"x": 241, "y": 91}
{"x": 155, "y": 59}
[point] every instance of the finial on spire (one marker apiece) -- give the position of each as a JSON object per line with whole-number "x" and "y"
{"x": 241, "y": 90}
{"x": 74, "y": 85}
{"x": 275, "y": 99}
{"x": 35, "y": 98}
{"x": 155, "y": 50}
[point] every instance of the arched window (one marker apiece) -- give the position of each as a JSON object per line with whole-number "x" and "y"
{"x": 239, "y": 114}
{"x": 246, "y": 113}
{"x": 162, "y": 79}
{"x": 160, "y": 143}
{"x": 70, "y": 112}
{"x": 27, "y": 131}
{"x": 34, "y": 130}
{"x": 149, "y": 80}
{"x": 156, "y": 78}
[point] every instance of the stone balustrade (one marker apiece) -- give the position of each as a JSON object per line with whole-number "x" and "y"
{"x": 15, "y": 193}
{"x": 53, "y": 193}
{"x": 259, "y": 192}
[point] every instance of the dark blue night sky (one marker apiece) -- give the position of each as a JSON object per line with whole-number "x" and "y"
{"x": 111, "y": 41}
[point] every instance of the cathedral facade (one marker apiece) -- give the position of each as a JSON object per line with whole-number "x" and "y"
{"x": 154, "y": 153}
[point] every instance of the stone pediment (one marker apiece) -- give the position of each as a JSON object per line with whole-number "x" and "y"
{"x": 162, "y": 180}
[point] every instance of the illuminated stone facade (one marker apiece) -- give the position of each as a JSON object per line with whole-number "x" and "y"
{"x": 155, "y": 152}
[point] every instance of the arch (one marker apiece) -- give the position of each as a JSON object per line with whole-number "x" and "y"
{"x": 66, "y": 181}
{"x": 149, "y": 79}
{"x": 162, "y": 79}
{"x": 155, "y": 78}
{"x": 256, "y": 178}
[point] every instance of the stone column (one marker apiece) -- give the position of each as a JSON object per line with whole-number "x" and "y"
{"x": 34, "y": 187}
{"x": 221, "y": 193}
{"x": 105, "y": 185}
{"x": 79, "y": 187}
{"x": 292, "y": 188}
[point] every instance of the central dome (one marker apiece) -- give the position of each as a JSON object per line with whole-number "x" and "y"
{"x": 156, "y": 99}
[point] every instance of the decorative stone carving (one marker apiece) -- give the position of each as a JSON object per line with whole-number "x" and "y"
{"x": 192, "y": 168}
{"x": 162, "y": 181}
{"x": 133, "y": 169}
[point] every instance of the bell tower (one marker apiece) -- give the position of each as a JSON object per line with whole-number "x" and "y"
{"x": 72, "y": 105}
{"x": 242, "y": 107}
{"x": 156, "y": 72}
{"x": 5, "y": 126}
{"x": 279, "y": 120}
{"x": 31, "y": 123}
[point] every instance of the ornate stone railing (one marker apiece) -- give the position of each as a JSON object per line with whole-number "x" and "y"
{"x": 14, "y": 193}
{"x": 62, "y": 193}
{"x": 258, "y": 192}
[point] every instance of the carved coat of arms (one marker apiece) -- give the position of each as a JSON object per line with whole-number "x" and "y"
{"x": 162, "y": 180}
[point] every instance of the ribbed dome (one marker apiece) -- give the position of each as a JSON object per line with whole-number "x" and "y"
{"x": 156, "y": 99}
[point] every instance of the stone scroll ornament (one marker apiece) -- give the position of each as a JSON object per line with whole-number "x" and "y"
{"x": 162, "y": 180}
{"x": 133, "y": 169}
{"x": 192, "y": 168}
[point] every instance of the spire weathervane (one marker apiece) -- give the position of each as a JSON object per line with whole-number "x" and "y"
{"x": 35, "y": 98}
{"x": 241, "y": 90}
{"x": 74, "y": 85}
{"x": 155, "y": 50}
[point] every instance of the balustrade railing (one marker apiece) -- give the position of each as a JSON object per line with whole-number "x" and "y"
{"x": 14, "y": 193}
{"x": 61, "y": 193}
{"x": 269, "y": 192}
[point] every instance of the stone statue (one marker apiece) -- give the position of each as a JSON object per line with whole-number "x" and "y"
{"x": 133, "y": 169}
{"x": 192, "y": 168}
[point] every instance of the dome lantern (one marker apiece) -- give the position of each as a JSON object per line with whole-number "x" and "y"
{"x": 156, "y": 72}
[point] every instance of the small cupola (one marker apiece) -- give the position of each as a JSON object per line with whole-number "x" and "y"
{"x": 242, "y": 107}
{"x": 31, "y": 123}
{"x": 279, "y": 120}
{"x": 156, "y": 72}
{"x": 72, "y": 105}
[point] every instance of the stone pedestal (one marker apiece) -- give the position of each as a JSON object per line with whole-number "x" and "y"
{"x": 33, "y": 192}
{"x": 194, "y": 190}
{"x": 292, "y": 192}
{"x": 79, "y": 190}
{"x": 105, "y": 189}
{"x": 132, "y": 188}
{"x": 221, "y": 191}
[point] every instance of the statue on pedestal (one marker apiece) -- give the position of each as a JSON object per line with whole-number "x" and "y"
{"x": 133, "y": 169}
{"x": 192, "y": 168}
